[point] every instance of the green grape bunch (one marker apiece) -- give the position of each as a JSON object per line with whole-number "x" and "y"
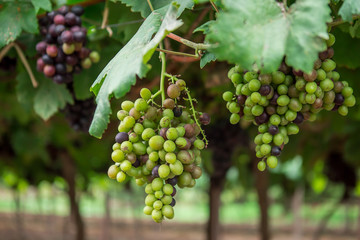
{"x": 159, "y": 146}
{"x": 278, "y": 102}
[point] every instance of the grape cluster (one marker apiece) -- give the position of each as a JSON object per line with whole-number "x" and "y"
{"x": 159, "y": 146}
{"x": 80, "y": 114}
{"x": 278, "y": 102}
{"x": 62, "y": 49}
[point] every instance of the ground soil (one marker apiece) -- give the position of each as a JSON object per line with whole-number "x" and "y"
{"x": 40, "y": 227}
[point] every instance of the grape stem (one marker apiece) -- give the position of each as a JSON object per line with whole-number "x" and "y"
{"x": 162, "y": 76}
{"x": 105, "y": 20}
{"x": 196, "y": 46}
{"x": 339, "y": 21}
{"x": 150, "y": 5}
{"x": 196, "y": 55}
{"x": 214, "y": 6}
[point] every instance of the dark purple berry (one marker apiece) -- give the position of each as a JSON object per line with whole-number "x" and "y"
{"x": 172, "y": 181}
{"x": 205, "y": 119}
{"x": 265, "y": 90}
{"x": 59, "y": 29}
{"x": 174, "y": 192}
{"x": 298, "y": 73}
{"x": 63, "y": 10}
{"x": 275, "y": 151}
{"x": 339, "y": 99}
{"x": 79, "y": 36}
{"x": 121, "y": 137}
{"x": 49, "y": 38}
{"x": 59, "y": 79}
{"x": 273, "y": 130}
{"x": 136, "y": 163}
{"x": 71, "y": 60}
{"x": 263, "y": 118}
{"x": 173, "y": 202}
{"x": 60, "y": 58}
{"x": 155, "y": 171}
{"x": 67, "y": 36}
{"x": 47, "y": 59}
{"x": 60, "y": 68}
{"x": 78, "y": 10}
{"x": 330, "y": 52}
{"x": 273, "y": 100}
{"x": 241, "y": 99}
{"x": 177, "y": 111}
{"x": 41, "y": 47}
{"x": 70, "y": 19}
{"x": 299, "y": 118}
{"x": 51, "y": 16}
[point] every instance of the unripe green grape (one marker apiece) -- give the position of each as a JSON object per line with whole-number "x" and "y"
{"x": 263, "y": 101}
{"x": 312, "y": 117}
{"x": 122, "y": 128}
{"x": 267, "y": 138}
{"x": 181, "y": 142}
{"x": 288, "y": 80}
{"x": 238, "y": 89}
{"x": 120, "y": 177}
{"x": 145, "y": 171}
{"x": 164, "y": 171}
{"x": 328, "y": 65}
{"x": 86, "y": 63}
{"x": 329, "y": 97}
{"x": 329, "y": 107}
{"x": 249, "y": 103}
{"x": 295, "y": 104}
{"x": 159, "y": 194}
{"x": 181, "y": 84}
{"x": 259, "y": 154}
{"x": 141, "y": 105}
{"x": 249, "y": 76}
{"x": 150, "y": 165}
{"x": 350, "y": 101}
{"x": 165, "y": 122}
{"x": 290, "y": 115}
{"x": 150, "y": 199}
{"x": 282, "y": 89}
{"x": 133, "y": 137}
{"x": 126, "y": 147}
{"x": 335, "y": 76}
{"x": 147, "y": 210}
{"x": 236, "y": 78}
{"x": 168, "y": 113}
{"x": 263, "y": 128}
{"x": 283, "y": 100}
{"x": 278, "y": 139}
{"x": 326, "y": 85}
{"x": 281, "y": 110}
{"x": 154, "y": 156}
{"x": 125, "y": 165}
{"x": 157, "y": 184}
{"x": 321, "y": 74}
{"x": 168, "y": 189}
{"x": 117, "y": 155}
{"x": 138, "y": 128}
{"x": 145, "y": 93}
{"x": 331, "y": 40}
{"x": 343, "y": 110}
{"x": 283, "y": 121}
{"x": 255, "y": 97}
{"x": 69, "y": 49}
{"x": 261, "y": 166}
{"x": 272, "y": 161}
{"x": 227, "y": 96}
{"x": 135, "y": 114}
{"x": 147, "y": 134}
{"x": 156, "y": 142}
{"x": 198, "y": 160}
{"x": 116, "y": 146}
{"x": 149, "y": 150}
{"x": 170, "y": 158}
{"x": 234, "y": 118}
{"x": 319, "y": 93}
{"x": 122, "y": 114}
{"x": 257, "y": 110}
{"x": 156, "y": 215}
{"x": 181, "y": 131}
{"x": 140, "y": 181}
{"x": 300, "y": 84}
{"x": 168, "y": 211}
{"x": 127, "y": 105}
{"x": 311, "y": 87}
{"x": 172, "y": 134}
{"x": 184, "y": 179}
{"x": 247, "y": 110}
{"x": 177, "y": 168}
{"x": 113, "y": 171}
{"x": 231, "y": 72}
{"x": 283, "y": 130}
{"x": 128, "y": 122}
{"x": 292, "y": 129}
{"x": 139, "y": 148}
{"x": 245, "y": 90}
{"x": 166, "y": 200}
{"x": 265, "y": 149}
{"x": 310, "y": 98}
{"x": 346, "y": 84}
{"x": 254, "y": 85}
{"x": 148, "y": 189}
{"x": 347, "y": 92}
{"x": 162, "y": 155}
{"x": 275, "y": 119}
{"x": 199, "y": 144}
{"x": 234, "y": 107}
{"x": 278, "y": 77}
{"x": 169, "y": 146}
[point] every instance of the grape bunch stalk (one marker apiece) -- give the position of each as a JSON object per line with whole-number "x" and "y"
{"x": 160, "y": 146}
{"x": 62, "y": 48}
{"x": 278, "y": 102}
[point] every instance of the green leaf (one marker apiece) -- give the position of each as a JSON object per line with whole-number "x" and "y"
{"x": 120, "y": 73}
{"x": 143, "y": 7}
{"x": 345, "y": 55}
{"x": 355, "y": 30}
{"x": 14, "y": 17}
{"x": 206, "y": 58}
{"x": 50, "y": 98}
{"x": 44, "y": 4}
{"x": 349, "y": 8}
{"x": 261, "y": 34}
{"x": 204, "y": 28}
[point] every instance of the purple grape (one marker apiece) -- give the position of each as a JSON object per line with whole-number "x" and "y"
{"x": 77, "y": 21}
{"x": 47, "y": 59}
{"x": 330, "y": 52}
{"x": 172, "y": 181}
{"x": 265, "y": 90}
{"x": 298, "y": 73}
{"x": 136, "y": 163}
{"x": 63, "y": 10}
{"x": 177, "y": 111}
{"x": 75, "y": 29}
{"x": 79, "y": 36}
{"x": 263, "y": 118}
{"x": 41, "y": 47}
{"x": 84, "y": 53}
{"x": 59, "y": 40}
{"x": 70, "y": 19}
{"x": 241, "y": 99}
{"x": 273, "y": 100}
{"x": 121, "y": 137}
{"x": 40, "y": 64}
{"x": 49, "y": 38}
{"x": 173, "y": 202}
{"x": 275, "y": 151}
{"x": 59, "y": 79}
{"x": 43, "y": 31}
{"x": 155, "y": 171}
{"x": 51, "y": 16}
{"x": 273, "y": 130}
{"x": 78, "y": 10}
{"x": 59, "y": 29}
{"x": 67, "y": 36}
{"x": 323, "y": 55}
{"x": 71, "y": 60}
{"x": 299, "y": 118}
{"x": 59, "y": 19}
{"x": 52, "y": 30}
{"x": 60, "y": 58}
{"x": 60, "y": 68}
{"x": 174, "y": 192}
{"x": 205, "y": 118}
{"x": 335, "y": 108}
{"x": 339, "y": 99}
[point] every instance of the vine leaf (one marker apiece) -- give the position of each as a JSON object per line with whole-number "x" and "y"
{"x": 345, "y": 56}
{"x": 16, "y": 16}
{"x": 47, "y": 99}
{"x": 206, "y": 58}
{"x": 264, "y": 33}
{"x": 142, "y": 6}
{"x": 349, "y": 8}
{"x": 120, "y": 73}
{"x": 44, "y": 4}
